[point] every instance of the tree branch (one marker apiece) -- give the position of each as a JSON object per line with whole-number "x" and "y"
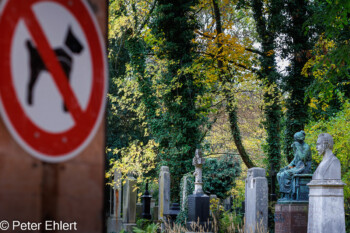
{"x": 255, "y": 51}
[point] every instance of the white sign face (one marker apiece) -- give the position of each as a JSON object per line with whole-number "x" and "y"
{"x": 54, "y": 86}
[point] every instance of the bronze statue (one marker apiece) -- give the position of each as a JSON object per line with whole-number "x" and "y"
{"x": 301, "y": 164}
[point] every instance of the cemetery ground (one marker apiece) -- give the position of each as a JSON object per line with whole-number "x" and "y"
{"x": 251, "y": 85}
{"x": 175, "y": 116}
{"x": 215, "y": 106}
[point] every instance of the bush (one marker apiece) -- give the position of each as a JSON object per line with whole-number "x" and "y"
{"x": 339, "y": 127}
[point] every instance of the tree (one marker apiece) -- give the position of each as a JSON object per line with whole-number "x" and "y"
{"x": 227, "y": 60}
{"x": 178, "y": 122}
{"x": 329, "y": 62}
{"x": 266, "y": 28}
{"x": 296, "y": 45}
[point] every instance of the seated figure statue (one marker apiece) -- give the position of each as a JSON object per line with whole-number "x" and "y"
{"x": 301, "y": 164}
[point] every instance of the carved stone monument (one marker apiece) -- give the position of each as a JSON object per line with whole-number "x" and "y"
{"x": 326, "y": 201}
{"x": 256, "y": 201}
{"x": 291, "y": 211}
{"x": 198, "y": 202}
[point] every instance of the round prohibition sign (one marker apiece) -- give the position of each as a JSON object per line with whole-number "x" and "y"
{"x": 45, "y": 144}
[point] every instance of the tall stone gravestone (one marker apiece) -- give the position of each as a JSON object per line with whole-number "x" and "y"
{"x": 198, "y": 202}
{"x": 256, "y": 201}
{"x": 118, "y": 197}
{"x": 129, "y": 203}
{"x": 113, "y": 221}
{"x": 164, "y": 193}
{"x": 326, "y": 200}
{"x": 184, "y": 192}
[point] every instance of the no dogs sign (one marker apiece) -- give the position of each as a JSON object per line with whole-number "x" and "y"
{"x": 53, "y": 75}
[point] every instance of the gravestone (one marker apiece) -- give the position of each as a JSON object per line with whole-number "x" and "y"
{"x": 155, "y": 214}
{"x": 113, "y": 221}
{"x": 146, "y": 204}
{"x": 228, "y": 204}
{"x": 211, "y": 198}
{"x": 326, "y": 201}
{"x": 118, "y": 199}
{"x": 184, "y": 193}
{"x": 138, "y": 210}
{"x": 164, "y": 193}
{"x": 256, "y": 201}
{"x": 129, "y": 203}
{"x": 198, "y": 202}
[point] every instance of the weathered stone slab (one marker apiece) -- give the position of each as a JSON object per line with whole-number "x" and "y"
{"x": 256, "y": 201}
{"x": 155, "y": 214}
{"x": 164, "y": 192}
{"x": 129, "y": 200}
{"x": 138, "y": 210}
{"x": 291, "y": 218}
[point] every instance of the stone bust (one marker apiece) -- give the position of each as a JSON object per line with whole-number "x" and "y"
{"x": 329, "y": 168}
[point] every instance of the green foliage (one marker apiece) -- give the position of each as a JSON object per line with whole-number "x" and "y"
{"x": 339, "y": 127}
{"x": 219, "y": 175}
{"x": 145, "y": 226}
{"x": 230, "y": 222}
{"x": 175, "y": 124}
{"x": 329, "y": 62}
{"x": 125, "y": 122}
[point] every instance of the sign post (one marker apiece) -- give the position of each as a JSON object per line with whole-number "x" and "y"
{"x": 53, "y": 88}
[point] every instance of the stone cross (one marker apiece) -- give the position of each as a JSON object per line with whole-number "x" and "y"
{"x": 198, "y": 202}
{"x": 198, "y": 162}
{"x": 326, "y": 198}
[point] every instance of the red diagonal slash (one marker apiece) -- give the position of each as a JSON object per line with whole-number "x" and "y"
{"x": 49, "y": 58}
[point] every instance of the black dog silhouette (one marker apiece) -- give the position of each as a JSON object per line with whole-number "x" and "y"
{"x": 63, "y": 56}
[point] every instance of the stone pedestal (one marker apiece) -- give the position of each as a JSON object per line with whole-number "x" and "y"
{"x": 198, "y": 212}
{"x": 326, "y": 206}
{"x": 256, "y": 201}
{"x": 291, "y": 217}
